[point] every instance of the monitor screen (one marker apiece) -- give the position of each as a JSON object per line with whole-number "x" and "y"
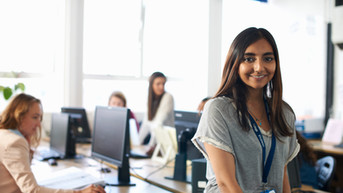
{"x": 111, "y": 140}
{"x": 80, "y": 125}
{"x": 60, "y": 139}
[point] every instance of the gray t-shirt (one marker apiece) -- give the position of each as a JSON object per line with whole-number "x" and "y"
{"x": 219, "y": 127}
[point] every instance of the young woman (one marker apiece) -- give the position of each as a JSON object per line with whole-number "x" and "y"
{"x": 160, "y": 109}
{"x": 20, "y": 131}
{"x": 117, "y": 99}
{"x": 247, "y": 131}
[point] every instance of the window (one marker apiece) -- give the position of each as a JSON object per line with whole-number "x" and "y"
{"x": 32, "y": 46}
{"x": 112, "y": 37}
{"x": 122, "y": 49}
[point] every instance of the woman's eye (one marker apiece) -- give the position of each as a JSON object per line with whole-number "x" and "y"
{"x": 249, "y": 59}
{"x": 269, "y": 59}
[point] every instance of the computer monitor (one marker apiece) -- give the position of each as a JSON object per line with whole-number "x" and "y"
{"x": 80, "y": 125}
{"x": 186, "y": 124}
{"x": 61, "y": 140}
{"x": 111, "y": 141}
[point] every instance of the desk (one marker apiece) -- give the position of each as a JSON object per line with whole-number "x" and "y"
{"x": 42, "y": 169}
{"x": 154, "y": 172}
{"x": 324, "y": 149}
{"x": 150, "y": 171}
{"x": 149, "y": 175}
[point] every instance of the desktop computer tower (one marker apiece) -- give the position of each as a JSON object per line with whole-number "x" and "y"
{"x": 198, "y": 175}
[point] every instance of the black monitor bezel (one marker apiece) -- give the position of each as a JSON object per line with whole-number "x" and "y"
{"x": 190, "y": 120}
{"x": 86, "y": 131}
{"x": 123, "y": 178}
{"x": 186, "y": 124}
{"x": 69, "y": 149}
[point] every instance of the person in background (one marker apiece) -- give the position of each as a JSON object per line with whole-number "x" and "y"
{"x": 20, "y": 133}
{"x": 160, "y": 109}
{"x": 117, "y": 99}
{"x": 246, "y": 131}
{"x": 307, "y": 162}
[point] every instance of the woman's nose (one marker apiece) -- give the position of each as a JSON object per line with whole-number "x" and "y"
{"x": 258, "y": 65}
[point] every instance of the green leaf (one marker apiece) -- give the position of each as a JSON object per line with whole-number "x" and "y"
{"x": 1, "y": 88}
{"x": 20, "y": 86}
{"x": 7, "y": 93}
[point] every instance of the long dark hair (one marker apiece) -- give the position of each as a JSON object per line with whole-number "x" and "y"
{"x": 233, "y": 87}
{"x": 306, "y": 151}
{"x": 153, "y": 99}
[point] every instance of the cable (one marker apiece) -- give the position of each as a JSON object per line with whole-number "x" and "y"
{"x": 163, "y": 166}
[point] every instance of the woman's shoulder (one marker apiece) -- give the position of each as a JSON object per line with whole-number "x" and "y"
{"x": 288, "y": 111}
{"x": 9, "y": 138}
{"x": 167, "y": 97}
{"x": 8, "y": 133}
{"x": 221, "y": 103}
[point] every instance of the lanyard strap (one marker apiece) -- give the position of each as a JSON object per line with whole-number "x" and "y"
{"x": 267, "y": 166}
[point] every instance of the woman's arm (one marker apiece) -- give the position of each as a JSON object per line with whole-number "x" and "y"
{"x": 286, "y": 186}
{"x": 223, "y": 164}
{"x": 16, "y": 160}
{"x": 165, "y": 109}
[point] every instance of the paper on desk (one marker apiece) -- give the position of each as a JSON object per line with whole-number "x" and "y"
{"x": 333, "y": 131}
{"x": 69, "y": 178}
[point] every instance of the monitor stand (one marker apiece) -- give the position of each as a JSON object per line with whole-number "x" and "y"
{"x": 113, "y": 181}
{"x": 180, "y": 169}
{"x": 123, "y": 177}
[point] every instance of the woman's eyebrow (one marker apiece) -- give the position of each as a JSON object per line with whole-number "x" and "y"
{"x": 253, "y": 54}
{"x": 268, "y": 53}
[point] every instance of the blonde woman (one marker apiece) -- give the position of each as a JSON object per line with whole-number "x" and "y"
{"x": 20, "y": 132}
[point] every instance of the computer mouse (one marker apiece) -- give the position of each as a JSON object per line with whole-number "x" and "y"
{"x": 52, "y": 162}
{"x": 105, "y": 170}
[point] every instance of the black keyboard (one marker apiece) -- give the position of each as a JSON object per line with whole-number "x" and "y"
{"x": 138, "y": 155}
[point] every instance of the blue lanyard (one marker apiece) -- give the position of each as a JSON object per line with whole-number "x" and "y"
{"x": 267, "y": 166}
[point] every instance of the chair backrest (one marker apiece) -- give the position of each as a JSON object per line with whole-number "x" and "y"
{"x": 325, "y": 169}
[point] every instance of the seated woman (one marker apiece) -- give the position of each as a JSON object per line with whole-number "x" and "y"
{"x": 20, "y": 131}
{"x": 117, "y": 99}
{"x": 160, "y": 109}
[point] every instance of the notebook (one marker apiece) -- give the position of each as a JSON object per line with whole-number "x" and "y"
{"x": 69, "y": 178}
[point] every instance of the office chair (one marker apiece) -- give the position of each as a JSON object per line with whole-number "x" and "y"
{"x": 325, "y": 169}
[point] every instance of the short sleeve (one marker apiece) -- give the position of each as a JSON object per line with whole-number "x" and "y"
{"x": 214, "y": 126}
{"x": 294, "y": 148}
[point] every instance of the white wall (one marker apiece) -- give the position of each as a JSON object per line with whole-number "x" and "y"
{"x": 299, "y": 28}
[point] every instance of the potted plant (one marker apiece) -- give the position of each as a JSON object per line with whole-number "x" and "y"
{"x": 8, "y": 91}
